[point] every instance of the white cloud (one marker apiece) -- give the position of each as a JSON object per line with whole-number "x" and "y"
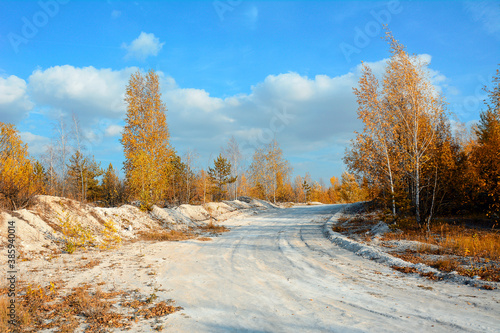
{"x": 306, "y": 114}
{"x": 143, "y": 46}
{"x": 303, "y": 112}
{"x": 36, "y": 143}
{"x": 193, "y": 99}
{"x": 14, "y": 101}
{"x": 113, "y": 130}
{"x": 89, "y": 92}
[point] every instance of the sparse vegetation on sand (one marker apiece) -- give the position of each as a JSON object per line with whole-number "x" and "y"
{"x": 86, "y": 307}
{"x": 451, "y": 245}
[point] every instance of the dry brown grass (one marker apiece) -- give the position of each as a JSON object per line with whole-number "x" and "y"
{"x": 453, "y": 239}
{"x": 356, "y": 226}
{"x": 174, "y": 235}
{"x": 166, "y": 235}
{"x": 47, "y": 308}
{"x": 342, "y": 219}
{"x": 408, "y": 270}
{"x": 488, "y": 271}
{"x": 405, "y": 269}
{"x": 451, "y": 245}
{"x": 214, "y": 228}
{"x": 158, "y": 310}
{"x": 339, "y": 228}
{"x": 91, "y": 264}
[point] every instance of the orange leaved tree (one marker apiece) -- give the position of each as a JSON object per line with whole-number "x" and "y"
{"x": 403, "y": 118}
{"x": 486, "y": 154}
{"x": 145, "y": 140}
{"x": 20, "y": 178}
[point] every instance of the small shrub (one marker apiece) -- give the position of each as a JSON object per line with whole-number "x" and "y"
{"x": 75, "y": 234}
{"x": 405, "y": 269}
{"x": 446, "y": 265}
{"x": 111, "y": 238}
{"x": 69, "y": 247}
{"x": 211, "y": 227}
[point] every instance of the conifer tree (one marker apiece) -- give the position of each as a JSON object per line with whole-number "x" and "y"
{"x": 486, "y": 154}
{"x": 220, "y": 175}
{"x": 83, "y": 173}
{"x": 111, "y": 191}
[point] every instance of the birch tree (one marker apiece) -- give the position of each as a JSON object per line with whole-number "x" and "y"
{"x": 145, "y": 139}
{"x": 401, "y": 118}
{"x": 374, "y": 150}
{"x": 416, "y": 110}
{"x": 79, "y": 147}
{"x": 49, "y": 161}
{"x": 62, "y": 150}
{"x": 233, "y": 154}
{"x": 267, "y": 168}
{"x": 190, "y": 158}
{"x": 19, "y": 182}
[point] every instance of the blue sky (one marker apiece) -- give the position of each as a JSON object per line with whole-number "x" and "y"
{"x": 248, "y": 69}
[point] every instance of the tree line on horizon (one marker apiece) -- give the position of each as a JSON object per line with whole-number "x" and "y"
{"x": 155, "y": 174}
{"x": 408, "y": 158}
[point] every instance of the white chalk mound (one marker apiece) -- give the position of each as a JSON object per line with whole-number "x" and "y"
{"x": 40, "y": 228}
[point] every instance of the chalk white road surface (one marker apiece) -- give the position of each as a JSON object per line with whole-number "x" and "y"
{"x": 277, "y": 272}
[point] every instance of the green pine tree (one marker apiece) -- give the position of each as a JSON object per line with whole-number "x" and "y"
{"x": 220, "y": 175}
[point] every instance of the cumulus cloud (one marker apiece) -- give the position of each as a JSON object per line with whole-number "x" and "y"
{"x": 14, "y": 100}
{"x": 89, "y": 92}
{"x": 36, "y": 143}
{"x": 306, "y": 114}
{"x": 114, "y": 130}
{"x": 143, "y": 46}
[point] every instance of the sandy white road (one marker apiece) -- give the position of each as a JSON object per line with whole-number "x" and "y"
{"x": 276, "y": 272}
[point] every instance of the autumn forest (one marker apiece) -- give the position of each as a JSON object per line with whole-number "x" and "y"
{"x": 410, "y": 159}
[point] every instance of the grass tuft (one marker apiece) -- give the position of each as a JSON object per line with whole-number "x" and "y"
{"x": 214, "y": 228}
{"x": 166, "y": 235}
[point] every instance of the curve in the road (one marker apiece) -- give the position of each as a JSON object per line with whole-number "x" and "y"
{"x": 277, "y": 272}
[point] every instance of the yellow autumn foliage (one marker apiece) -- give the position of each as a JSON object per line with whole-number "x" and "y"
{"x": 19, "y": 179}
{"x": 145, "y": 140}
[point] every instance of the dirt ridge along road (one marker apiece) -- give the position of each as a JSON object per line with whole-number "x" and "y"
{"x": 277, "y": 272}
